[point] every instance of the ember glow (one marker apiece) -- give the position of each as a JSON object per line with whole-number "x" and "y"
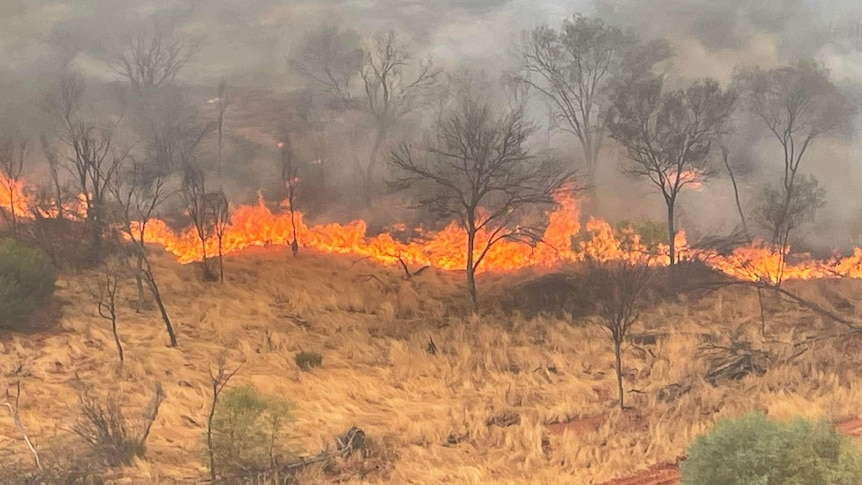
{"x": 563, "y": 241}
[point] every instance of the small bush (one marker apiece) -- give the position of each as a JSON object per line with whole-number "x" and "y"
{"x": 27, "y": 280}
{"x": 105, "y": 428}
{"x": 752, "y": 450}
{"x": 308, "y": 360}
{"x": 248, "y": 432}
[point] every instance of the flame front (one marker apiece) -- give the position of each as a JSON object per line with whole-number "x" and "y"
{"x": 563, "y": 241}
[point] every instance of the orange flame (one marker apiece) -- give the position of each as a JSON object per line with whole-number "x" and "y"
{"x": 563, "y": 240}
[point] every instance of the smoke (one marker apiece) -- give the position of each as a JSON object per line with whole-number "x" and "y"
{"x": 248, "y": 44}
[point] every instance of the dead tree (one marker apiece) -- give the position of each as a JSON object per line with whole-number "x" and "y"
{"x": 222, "y": 102}
{"x": 799, "y": 105}
{"x": 572, "y": 69}
{"x": 390, "y": 93}
{"x": 725, "y": 156}
{"x": 218, "y": 382}
{"x": 668, "y": 135}
{"x": 290, "y": 179}
{"x": 220, "y": 212}
{"x": 331, "y": 59}
{"x": 151, "y": 60}
{"x": 477, "y": 169}
{"x": 619, "y": 288}
{"x": 138, "y": 199}
{"x": 13, "y": 154}
{"x": 195, "y": 196}
{"x": 91, "y": 157}
{"x": 13, "y": 403}
{"x": 109, "y": 285}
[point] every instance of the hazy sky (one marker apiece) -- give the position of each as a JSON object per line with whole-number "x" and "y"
{"x": 248, "y": 39}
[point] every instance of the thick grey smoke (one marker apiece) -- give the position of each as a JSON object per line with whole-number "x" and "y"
{"x": 248, "y": 42}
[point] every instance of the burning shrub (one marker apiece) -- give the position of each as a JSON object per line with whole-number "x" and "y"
{"x": 308, "y": 360}
{"x": 752, "y": 449}
{"x": 27, "y": 280}
{"x": 248, "y": 432}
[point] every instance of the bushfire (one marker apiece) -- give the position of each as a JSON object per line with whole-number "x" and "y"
{"x": 564, "y": 240}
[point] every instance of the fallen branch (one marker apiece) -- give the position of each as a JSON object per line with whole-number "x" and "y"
{"x": 796, "y": 299}
{"x": 16, "y": 417}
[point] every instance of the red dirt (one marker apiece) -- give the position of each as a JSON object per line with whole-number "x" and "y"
{"x": 850, "y": 427}
{"x": 668, "y": 473}
{"x": 662, "y": 474}
{"x": 575, "y": 426}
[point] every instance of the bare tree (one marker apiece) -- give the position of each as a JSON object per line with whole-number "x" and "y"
{"x": 331, "y": 59}
{"x": 390, "y": 92}
{"x": 669, "y": 134}
{"x": 478, "y": 169}
{"x": 222, "y": 102}
{"x": 218, "y": 381}
{"x": 220, "y": 211}
{"x": 153, "y": 59}
{"x": 13, "y": 403}
{"x": 773, "y": 209}
{"x": 107, "y": 291}
{"x": 91, "y": 157}
{"x": 13, "y": 154}
{"x": 798, "y": 104}
{"x": 725, "y": 156}
{"x": 139, "y": 198}
{"x": 619, "y": 288}
{"x": 290, "y": 179}
{"x": 199, "y": 208}
{"x": 572, "y": 68}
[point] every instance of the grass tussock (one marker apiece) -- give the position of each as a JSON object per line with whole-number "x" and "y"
{"x": 426, "y": 412}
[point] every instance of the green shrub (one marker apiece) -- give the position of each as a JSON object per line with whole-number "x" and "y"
{"x": 248, "y": 432}
{"x": 651, "y": 233}
{"x": 307, "y": 360}
{"x": 27, "y": 280}
{"x": 753, "y": 450}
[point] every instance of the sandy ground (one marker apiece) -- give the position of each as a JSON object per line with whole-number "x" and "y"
{"x": 372, "y": 327}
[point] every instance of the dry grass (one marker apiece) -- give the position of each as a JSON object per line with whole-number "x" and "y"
{"x": 372, "y": 333}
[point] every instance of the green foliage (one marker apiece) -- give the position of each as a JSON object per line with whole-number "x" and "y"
{"x": 651, "y": 233}
{"x": 753, "y": 450}
{"x": 248, "y": 431}
{"x": 27, "y": 280}
{"x": 308, "y": 360}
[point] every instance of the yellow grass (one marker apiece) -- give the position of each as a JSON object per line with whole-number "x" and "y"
{"x": 372, "y": 333}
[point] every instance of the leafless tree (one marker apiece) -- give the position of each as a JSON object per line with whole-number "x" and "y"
{"x": 619, "y": 288}
{"x": 668, "y": 135}
{"x": 153, "y": 59}
{"x": 107, "y": 291}
{"x": 477, "y": 168}
{"x": 139, "y": 199}
{"x": 725, "y": 156}
{"x": 331, "y": 59}
{"x": 391, "y": 92}
{"x": 220, "y": 212}
{"x": 799, "y": 105}
{"x": 13, "y": 403}
{"x": 222, "y": 102}
{"x": 572, "y": 68}
{"x": 774, "y": 209}
{"x": 53, "y": 168}
{"x": 218, "y": 382}
{"x": 199, "y": 208}
{"x": 92, "y": 158}
{"x": 13, "y": 154}
{"x": 290, "y": 179}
